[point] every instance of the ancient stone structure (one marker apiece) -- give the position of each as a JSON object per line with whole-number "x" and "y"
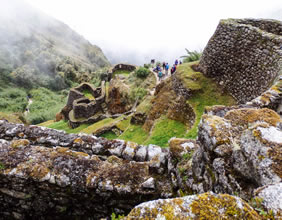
{"x": 120, "y": 66}
{"x": 244, "y": 56}
{"x": 81, "y": 109}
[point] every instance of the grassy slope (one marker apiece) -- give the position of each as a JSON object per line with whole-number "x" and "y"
{"x": 208, "y": 94}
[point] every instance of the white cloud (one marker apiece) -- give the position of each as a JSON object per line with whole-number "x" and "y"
{"x": 152, "y": 28}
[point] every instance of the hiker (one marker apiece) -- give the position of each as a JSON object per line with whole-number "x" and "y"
{"x": 160, "y": 74}
{"x": 163, "y": 65}
{"x": 180, "y": 62}
{"x": 173, "y": 69}
{"x": 176, "y": 62}
{"x": 166, "y": 69}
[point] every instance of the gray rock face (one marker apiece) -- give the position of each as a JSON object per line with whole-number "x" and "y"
{"x": 239, "y": 152}
{"x": 244, "y": 56}
{"x": 271, "y": 197}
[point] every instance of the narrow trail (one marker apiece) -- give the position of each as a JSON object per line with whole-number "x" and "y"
{"x": 27, "y": 107}
{"x": 164, "y": 77}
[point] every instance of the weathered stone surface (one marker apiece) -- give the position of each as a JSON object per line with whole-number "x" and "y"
{"x": 244, "y": 56}
{"x": 203, "y": 206}
{"x": 57, "y": 182}
{"x": 271, "y": 196}
{"x": 239, "y": 151}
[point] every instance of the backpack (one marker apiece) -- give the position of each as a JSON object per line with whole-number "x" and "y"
{"x": 160, "y": 74}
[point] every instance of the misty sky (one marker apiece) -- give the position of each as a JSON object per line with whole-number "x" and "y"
{"x": 135, "y": 31}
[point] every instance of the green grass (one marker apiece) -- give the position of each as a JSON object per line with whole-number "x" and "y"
{"x": 109, "y": 135}
{"x": 2, "y": 166}
{"x": 63, "y": 125}
{"x": 88, "y": 94}
{"x": 164, "y": 129}
{"x": 13, "y": 100}
{"x": 123, "y": 124}
{"x": 122, "y": 73}
{"x": 134, "y": 133}
{"x": 105, "y": 122}
{"x": 209, "y": 94}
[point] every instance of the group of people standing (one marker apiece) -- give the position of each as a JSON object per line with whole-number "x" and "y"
{"x": 165, "y": 68}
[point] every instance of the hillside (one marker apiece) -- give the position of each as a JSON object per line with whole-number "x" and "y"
{"x": 38, "y": 51}
{"x": 159, "y": 116}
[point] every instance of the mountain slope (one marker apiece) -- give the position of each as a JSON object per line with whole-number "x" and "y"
{"x": 38, "y": 49}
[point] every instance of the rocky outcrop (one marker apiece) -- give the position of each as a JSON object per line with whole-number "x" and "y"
{"x": 244, "y": 56}
{"x": 239, "y": 152}
{"x": 119, "y": 97}
{"x": 203, "y": 206}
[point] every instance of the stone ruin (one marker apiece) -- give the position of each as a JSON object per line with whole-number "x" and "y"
{"x": 244, "y": 56}
{"x": 80, "y": 109}
{"x": 120, "y": 66}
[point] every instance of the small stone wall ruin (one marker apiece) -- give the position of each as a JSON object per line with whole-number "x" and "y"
{"x": 120, "y": 66}
{"x": 244, "y": 56}
{"x": 80, "y": 107}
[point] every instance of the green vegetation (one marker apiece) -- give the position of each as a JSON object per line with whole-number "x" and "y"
{"x": 109, "y": 135}
{"x": 142, "y": 72}
{"x": 2, "y": 166}
{"x": 208, "y": 94}
{"x": 13, "y": 100}
{"x": 134, "y": 133}
{"x": 122, "y": 73}
{"x": 88, "y": 94}
{"x": 45, "y": 105}
{"x": 138, "y": 93}
{"x": 116, "y": 217}
{"x": 63, "y": 125}
{"x": 256, "y": 203}
{"x": 191, "y": 56}
{"x": 103, "y": 123}
{"x": 123, "y": 124}
{"x": 164, "y": 129}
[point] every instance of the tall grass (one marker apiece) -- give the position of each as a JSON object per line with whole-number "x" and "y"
{"x": 191, "y": 56}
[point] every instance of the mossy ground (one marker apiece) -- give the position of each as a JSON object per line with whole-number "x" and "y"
{"x": 63, "y": 125}
{"x": 88, "y": 94}
{"x": 208, "y": 94}
{"x": 164, "y": 129}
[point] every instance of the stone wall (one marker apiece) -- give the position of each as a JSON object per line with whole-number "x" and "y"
{"x": 123, "y": 66}
{"x": 244, "y": 55}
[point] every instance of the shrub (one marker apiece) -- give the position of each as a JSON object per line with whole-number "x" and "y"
{"x": 191, "y": 56}
{"x": 138, "y": 93}
{"x": 142, "y": 72}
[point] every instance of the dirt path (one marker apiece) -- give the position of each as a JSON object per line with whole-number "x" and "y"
{"x": 27, "y": 107}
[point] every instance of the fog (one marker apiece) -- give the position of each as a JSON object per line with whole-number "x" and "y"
{"x": 137, "y": 31}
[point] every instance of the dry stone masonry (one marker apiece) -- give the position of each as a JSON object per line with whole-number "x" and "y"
{"x": 244, "y": 56}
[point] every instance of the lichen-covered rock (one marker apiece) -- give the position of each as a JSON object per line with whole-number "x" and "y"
{"x": 57, "y": 182}
{"x": 239, "y": 151}
{"x": 203, "y": 206}
{"x": 271, "y": 196}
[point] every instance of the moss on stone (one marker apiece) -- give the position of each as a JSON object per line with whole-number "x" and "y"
{"x": 223, "y": 206}
{"x": 20, "y": 143}
{"x": 246, "y": 116}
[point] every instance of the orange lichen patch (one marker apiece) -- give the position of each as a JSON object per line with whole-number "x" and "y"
{"x": 39, "y": 171}
{"x": 67, "y": 151}
{"x": 21, "y": 135}
{"x": 244, "y": 117}
{"x": 20, "y": 143}
{"x": 78, "y": 141}
{"x": 223, "y": 206}
{"x": 163, "y": 210}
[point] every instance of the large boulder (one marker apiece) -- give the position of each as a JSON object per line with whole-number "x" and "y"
{"x": 203, "y": 206}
